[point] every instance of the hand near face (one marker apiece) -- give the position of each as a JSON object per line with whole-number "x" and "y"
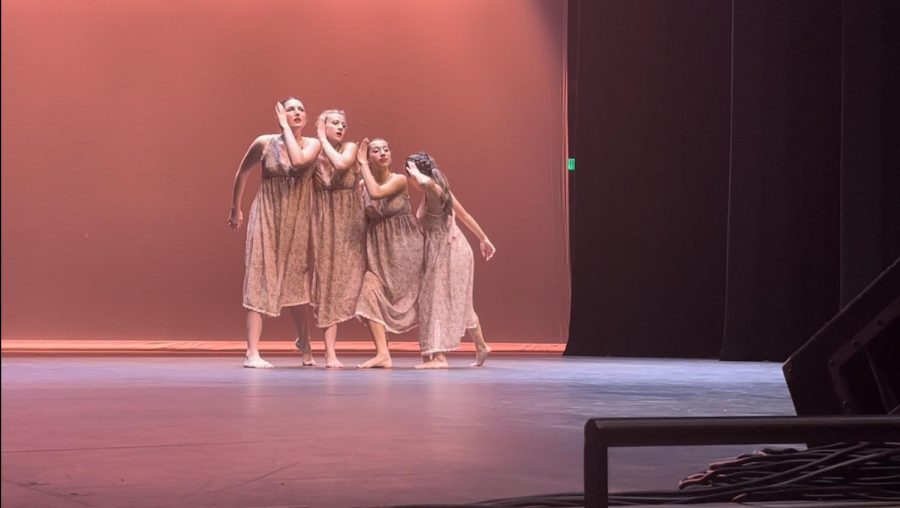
{"x": 282, "y": 116}
{"x": 418, "y": 175}
{"x": 362, "y": 152}
{"x": 320, "y": 131}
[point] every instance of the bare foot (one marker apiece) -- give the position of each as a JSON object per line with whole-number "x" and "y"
{"x": 377, "y": 362}
{"x": 255, "y": 362}
{"x": 333, "y": 363}
{"x": 481, "y": 355}
{"x": 434, "y": 363}
{"x": 305, "y": 347}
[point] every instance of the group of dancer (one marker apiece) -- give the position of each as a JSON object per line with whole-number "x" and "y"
{"x": 332, "y": 226}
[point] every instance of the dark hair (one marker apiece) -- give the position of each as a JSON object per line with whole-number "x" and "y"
{"x": 288, "y": 98}
{"x": 374, "y": 140}
{"x": 426, "y": 165}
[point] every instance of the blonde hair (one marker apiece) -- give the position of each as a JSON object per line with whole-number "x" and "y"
{"x": 323, "y": 116}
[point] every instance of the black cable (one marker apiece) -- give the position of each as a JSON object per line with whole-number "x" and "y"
{"x": 819, "y": 476}
{"x": 838, "y": 472}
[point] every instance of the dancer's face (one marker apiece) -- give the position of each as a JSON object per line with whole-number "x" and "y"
{"x": 380, "y": 153}
{"x": 335, "y": 127}
{"x": 296, "y": 113}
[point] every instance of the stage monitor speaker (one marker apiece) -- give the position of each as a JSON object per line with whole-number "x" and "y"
{"x": 852, "y": 365}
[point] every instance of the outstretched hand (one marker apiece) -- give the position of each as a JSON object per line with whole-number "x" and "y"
{"x": 362, "y": 152}
{"x": 487, "y": 249}
{"x": 282, "y": 116}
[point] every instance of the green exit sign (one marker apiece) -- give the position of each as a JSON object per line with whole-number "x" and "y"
{"x": 571, "y": 164}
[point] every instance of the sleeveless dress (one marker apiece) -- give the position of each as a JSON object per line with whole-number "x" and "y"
{"x": 339, "y": 244}
{"x": 276, "y": 255}
{"x": 394, "y": 248}
{"x": 445, "y": 293}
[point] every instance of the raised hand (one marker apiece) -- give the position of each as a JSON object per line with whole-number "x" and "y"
{"x": 362, "y": 152}
{"x": 487, "y": 249}
{"x": 320, "y": 131}
{"x": 420, "y": 177}
{"x": 282, "y": 116}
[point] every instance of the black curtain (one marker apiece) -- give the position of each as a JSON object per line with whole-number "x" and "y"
{"x": 737, "y": 171}
{"x": 649, "y": 193}
{"x": 870, "y": 159}
{"x": 783, "y": 240}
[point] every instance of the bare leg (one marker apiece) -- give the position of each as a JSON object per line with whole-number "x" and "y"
{"x": 437, "y": 361}
{"x": 254, "y": 331}
{"x": 331, "y": 359}
{"x": 298, "y": 312}
{"x": 382, "y": 358}
{"x": 482, "y": 350}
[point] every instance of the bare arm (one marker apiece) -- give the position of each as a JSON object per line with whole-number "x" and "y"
{"x": 251, "y": 158}
{"x": 487, "y": 248}
{"x": 393, "y": 186}
{"x": 432, "y": 190}
{"x": 340, "y": 160}
{"x": 299, "y": 156}
{"x": 435, "y": 192}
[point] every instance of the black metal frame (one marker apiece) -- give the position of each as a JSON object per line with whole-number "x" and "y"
{"x": 885, "y": 400}
{"x": 600, "y": 434}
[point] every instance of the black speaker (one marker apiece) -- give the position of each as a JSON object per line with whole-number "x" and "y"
{"x": 852, "y": 365}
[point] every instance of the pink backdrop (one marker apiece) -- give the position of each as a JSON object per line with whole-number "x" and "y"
{"x": 124, "y": 122}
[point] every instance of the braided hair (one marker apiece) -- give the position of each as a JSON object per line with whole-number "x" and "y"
{"x": 426, "y": 165}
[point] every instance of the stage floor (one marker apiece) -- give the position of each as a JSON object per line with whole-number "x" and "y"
{"x": 202, "y": 431}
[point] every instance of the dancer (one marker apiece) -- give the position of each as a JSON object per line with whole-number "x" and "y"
{"x": 339, "y": 231}
{"x": 394, "y": 246}
{"x": 445, "y": 293}
{"x": 275, "y": 258}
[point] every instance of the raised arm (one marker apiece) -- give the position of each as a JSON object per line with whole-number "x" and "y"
{"x": 487, "y": 248}
{"x": 428, "y": 185}
{"x": 393, "y": 186}
{"x": 251, "y": 158}
{"x": 341, "y": 160}
{"x": 299, "y": 156}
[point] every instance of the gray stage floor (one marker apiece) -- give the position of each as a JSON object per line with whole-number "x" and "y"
{"x": 202, "y": 431}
